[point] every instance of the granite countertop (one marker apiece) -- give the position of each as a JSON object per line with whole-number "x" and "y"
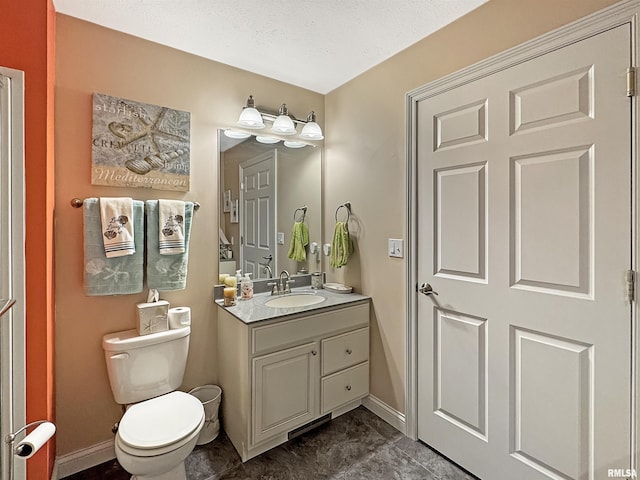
{"x": 255, "y": 310}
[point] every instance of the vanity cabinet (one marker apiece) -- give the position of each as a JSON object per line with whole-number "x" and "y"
{"x": 284, "y": 386}
{"x": 278, "y": 376}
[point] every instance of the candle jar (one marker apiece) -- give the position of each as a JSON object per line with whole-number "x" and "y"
{"x": 229, "y": 296}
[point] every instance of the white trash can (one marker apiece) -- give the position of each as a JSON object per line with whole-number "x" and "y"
{"x": 210, "y": 396}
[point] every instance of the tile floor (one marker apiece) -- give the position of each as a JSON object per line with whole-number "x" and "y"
{"x": 357, "y": 445}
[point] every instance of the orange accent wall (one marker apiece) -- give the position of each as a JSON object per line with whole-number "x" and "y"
{"x": 27, "y": 42}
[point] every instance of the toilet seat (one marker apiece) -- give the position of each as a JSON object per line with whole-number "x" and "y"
{"x": 160, "y": 424}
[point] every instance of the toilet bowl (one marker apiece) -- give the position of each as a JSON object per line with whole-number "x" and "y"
{"x": 155, "y": 436}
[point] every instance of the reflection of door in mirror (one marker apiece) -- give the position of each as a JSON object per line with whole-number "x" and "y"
{"x": 257, "y": 212}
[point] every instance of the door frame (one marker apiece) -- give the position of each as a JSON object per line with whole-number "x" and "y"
{"x": 625, "y": 12}
{"x": 12, "y": 234}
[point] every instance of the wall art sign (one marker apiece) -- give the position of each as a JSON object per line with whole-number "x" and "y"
{"x": 139, "y": 145}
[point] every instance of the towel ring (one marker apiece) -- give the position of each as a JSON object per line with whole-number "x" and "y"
{"x": 346, "y": 205}
{"x": 304, "y": 213}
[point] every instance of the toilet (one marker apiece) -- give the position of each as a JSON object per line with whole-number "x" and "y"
{"x": 160, "y": 426}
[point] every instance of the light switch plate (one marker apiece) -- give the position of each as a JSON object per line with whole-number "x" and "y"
{"x": 396, "y": 247}
{"x": 280, "y": 238}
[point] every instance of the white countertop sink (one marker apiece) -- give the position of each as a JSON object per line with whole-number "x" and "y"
{"x": 295, "y": 300}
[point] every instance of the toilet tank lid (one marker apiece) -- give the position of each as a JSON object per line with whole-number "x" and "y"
{"x": 128, "y": 339}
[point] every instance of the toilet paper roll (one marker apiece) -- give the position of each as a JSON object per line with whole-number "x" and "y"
{"x": 179, "y": 317}
{"x": 36, "y": 439}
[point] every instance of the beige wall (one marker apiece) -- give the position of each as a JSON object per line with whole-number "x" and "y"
{"x": 365, "y": 156}
{"x": 93, "y": 59}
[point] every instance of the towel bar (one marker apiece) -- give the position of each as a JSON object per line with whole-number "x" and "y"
{"x": 77, "y": 203}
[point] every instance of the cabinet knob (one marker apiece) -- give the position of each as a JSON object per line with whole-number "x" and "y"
{"x": 348, "y": 387}
{"x": 349, "y": 351}
{"x": 313, "y": 352}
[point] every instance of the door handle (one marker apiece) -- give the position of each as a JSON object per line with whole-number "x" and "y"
{"x": 426, "y": 289}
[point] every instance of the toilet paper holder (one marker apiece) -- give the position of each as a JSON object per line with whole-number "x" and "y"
{"x": 30, "y": 444}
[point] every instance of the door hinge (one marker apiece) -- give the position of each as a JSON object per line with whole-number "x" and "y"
{"x": 630, "y": 280}
{"x": 631, "y": 82}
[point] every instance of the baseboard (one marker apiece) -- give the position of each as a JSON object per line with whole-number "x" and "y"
{"x": 82, "y": 459}
{"x": 390, "y": 415}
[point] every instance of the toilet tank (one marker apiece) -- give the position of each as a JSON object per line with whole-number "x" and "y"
{"x": 145, "y": 366}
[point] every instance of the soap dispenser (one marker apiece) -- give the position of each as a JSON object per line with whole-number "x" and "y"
{"x": 246, "y": 287}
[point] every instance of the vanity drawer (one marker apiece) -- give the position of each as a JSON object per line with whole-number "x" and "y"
{"x": 344, "y": 387}
{"x": 291, "y": 332}
{"x": 345, "y": 350}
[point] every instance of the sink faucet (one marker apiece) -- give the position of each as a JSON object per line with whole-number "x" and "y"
{"x": 285, "y": 282}
{"x": 283, "y": 285}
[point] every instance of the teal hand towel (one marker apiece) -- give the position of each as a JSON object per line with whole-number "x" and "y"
{"x": 299, "y": 240}
{"x": 341, "y": 246}
{"x": 116, "y": 275}
{"x": 166, "y": 272}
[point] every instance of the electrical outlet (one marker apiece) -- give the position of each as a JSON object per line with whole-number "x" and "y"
{"x": 396, "y": 247}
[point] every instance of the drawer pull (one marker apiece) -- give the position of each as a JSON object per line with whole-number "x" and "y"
{"x": 314, "y": 353}
{"x": 349, "y": 351}
{"x": 348, "y": 387}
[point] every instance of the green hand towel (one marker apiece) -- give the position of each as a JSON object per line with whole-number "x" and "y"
{"x": 341, "y": 247}
{"x": 299, "y": 240}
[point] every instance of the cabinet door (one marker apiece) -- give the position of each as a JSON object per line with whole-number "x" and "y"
{"x": 284, "y": 392}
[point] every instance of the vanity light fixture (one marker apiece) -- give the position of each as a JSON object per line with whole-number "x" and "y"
{"x": 283, "y": 123}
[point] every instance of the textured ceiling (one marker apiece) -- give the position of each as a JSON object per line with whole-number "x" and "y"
{"x": 318, "y": 45}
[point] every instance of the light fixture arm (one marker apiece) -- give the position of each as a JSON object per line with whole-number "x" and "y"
{"x": 271, "y": 115}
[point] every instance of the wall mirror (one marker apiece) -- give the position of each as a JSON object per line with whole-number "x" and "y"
{"x": 265, "y": 188}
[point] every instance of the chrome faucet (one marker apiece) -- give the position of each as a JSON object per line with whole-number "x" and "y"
{"x": 284, "y": 284}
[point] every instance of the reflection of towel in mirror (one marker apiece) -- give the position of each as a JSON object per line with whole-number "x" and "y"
{"x": 341, "y": 247}
{"x": 299, "y": 240}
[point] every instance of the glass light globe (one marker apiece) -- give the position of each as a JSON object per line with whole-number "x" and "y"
{"x": 311, "y": 131}
{"x": 250, "y": 118}
{"x": 283, "y": 125}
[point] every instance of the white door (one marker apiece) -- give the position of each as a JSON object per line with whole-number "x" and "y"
{"x": 258, "y": 213}
{"x": 524, "y": 231}
{"x": 12, "y": 264}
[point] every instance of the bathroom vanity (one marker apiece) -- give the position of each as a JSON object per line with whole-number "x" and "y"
{"x": 284, "y": 370}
